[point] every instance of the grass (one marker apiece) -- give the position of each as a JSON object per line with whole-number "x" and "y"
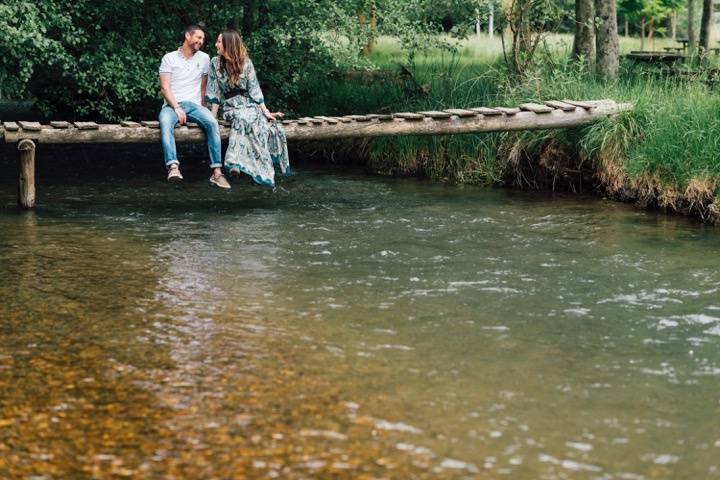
{"x": 665, "y": 153}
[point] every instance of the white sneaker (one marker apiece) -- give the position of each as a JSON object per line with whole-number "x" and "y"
{"x": 174, "y": 174}
{"x": 220, "y": 181}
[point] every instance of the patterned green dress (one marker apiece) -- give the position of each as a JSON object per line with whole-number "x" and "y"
{"x": 255, "y": 144}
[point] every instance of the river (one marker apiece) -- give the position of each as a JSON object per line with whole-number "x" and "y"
{"x": 350, "y": 326}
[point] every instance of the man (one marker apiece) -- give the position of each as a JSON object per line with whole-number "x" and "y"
{"x": 183, "y": 79}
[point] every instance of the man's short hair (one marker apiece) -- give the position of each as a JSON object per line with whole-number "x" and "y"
{"x": 191, "y": 29}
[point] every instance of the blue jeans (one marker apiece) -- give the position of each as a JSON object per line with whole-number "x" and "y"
{"x": 195, "y": 113}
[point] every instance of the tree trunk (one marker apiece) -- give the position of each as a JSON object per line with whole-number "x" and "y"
{"x": 372, "y": 28}
{"x": 691, "y": 34}
{"x": 673, "y": 25}
{"x": 627, "y": 27}
{"x": 584, "y": 45}
{"x": 491, "y": 21}
{"x": 706, "y": 25}
{"x": 608, "y": 44}
{"x": 642, "y": 33}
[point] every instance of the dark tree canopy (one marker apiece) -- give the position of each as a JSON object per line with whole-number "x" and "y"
{"x": 100, "y": 59}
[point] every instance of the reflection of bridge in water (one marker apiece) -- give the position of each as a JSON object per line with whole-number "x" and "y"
{"x": 528, "y": 116}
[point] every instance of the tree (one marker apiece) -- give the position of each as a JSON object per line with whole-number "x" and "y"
{"x": 631, "y": 13}
{"x": 584, "y": 43}
{"x": 528, "y": 22}
{"x": 673, "y": 6}
{"x": 654, "y": 12}
{"x": 608, "y": 44}
{"x": 706, "y": 25}
{"x": 692, "y": 39}
{"x": 99, "y": 60}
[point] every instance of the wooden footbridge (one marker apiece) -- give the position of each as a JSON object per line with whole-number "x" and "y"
{"x": 528, "y": 116}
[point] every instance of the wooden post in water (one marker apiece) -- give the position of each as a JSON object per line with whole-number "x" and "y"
{"x": 26, "y": 173}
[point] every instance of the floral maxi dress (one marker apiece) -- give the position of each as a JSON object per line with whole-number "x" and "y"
{"x": 255, "y": 144}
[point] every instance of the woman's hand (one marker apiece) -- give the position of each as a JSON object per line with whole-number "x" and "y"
{"x": 272, "y": 116}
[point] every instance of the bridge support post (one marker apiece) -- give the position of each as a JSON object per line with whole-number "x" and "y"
{"x": 26, "y": 174}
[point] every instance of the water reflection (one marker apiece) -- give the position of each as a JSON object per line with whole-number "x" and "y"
{"x": 352, "y": 326}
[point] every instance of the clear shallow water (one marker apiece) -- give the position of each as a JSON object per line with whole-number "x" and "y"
{"x": 354, "y": 326}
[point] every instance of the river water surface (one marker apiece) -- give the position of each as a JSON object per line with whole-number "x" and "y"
{"x": 348, "y": 326}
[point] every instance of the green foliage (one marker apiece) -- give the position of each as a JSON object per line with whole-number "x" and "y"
{"x": 650, "y": 10}
{"x": 33, "y": 34}
{"x": 100, "y": 59}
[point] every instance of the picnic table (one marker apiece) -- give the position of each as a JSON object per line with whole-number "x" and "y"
{"x": 715, "y": 50}
{"x": 655, "y": 57}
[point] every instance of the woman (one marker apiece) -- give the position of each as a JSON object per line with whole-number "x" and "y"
{"x": 256, "y": 140}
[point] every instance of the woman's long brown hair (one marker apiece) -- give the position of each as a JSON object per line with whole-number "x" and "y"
{"x": 235, "y": 54}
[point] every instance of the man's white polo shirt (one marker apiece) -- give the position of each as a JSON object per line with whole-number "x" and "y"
{"x": 185, "y": 74}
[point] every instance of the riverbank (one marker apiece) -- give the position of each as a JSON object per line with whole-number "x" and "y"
{"x": 662, "y": 155}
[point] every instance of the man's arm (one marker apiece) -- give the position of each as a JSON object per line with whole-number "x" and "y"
{"x": 203, "y": 90}
{"x": 170, "y": 99}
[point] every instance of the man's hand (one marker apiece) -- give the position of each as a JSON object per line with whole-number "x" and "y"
{"x": 182, "y": 117}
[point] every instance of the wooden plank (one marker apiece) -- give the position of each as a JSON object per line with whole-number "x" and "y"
{"x": 358, "y": 118}
{"x": 486, "y": 111}
{"x": 59, "y": 124}
{"x": 410, "y": 116}
{"x": 30, "y": 126}
{"x": 311, "y": 121}
{"x": 436, "y": 114}
{"x": 129, "y": 124}
{"x": 379, "y": 116}
{"x": 536, "y": 108}
{"x": 585, "y": 105}
{"x": 477, "y": 124}
{"x": 508, "y": 111}
{"x": 565, "y": 107}
{"x": 461, "y": 112}
{"x": 329, "y": 120}
{"x": 11, "y": 126}
{"x": 150, "y": 123}
{"x": 86, "y": 125}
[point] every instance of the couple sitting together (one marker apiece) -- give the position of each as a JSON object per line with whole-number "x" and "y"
{"x": 189, "y": 81}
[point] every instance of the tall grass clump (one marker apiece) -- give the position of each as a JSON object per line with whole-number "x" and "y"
{"x": 664, "y": 153}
